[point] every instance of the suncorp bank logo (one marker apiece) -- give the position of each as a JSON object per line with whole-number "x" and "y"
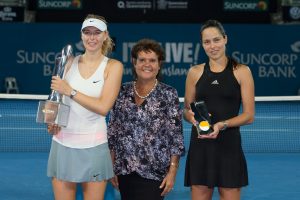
{"x": 44, "y": 59}
{"x": 272, "y": 65}
{"x": 59, "y": 4}
{"x": 250, "y": 5}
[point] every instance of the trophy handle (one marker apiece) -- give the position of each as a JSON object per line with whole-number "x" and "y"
{"x": 59, "y": 69}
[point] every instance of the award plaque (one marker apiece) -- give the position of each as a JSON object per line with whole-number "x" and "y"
{"x": 53, "y": 110}
{"x": 202, "y": 117}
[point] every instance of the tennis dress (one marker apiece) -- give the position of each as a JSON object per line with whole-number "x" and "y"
{"x": 217, "y": 162}
{"x": 79, "y": 152}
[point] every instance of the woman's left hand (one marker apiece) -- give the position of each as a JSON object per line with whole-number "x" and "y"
{"x": 214, "y": 134}
{"x": 53, "y": 129}
{"x": 168, "y": 182}
{"x": 115, "y": 183}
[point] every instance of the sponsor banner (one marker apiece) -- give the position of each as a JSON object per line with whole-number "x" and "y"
{"x": 160, "y": 11}
{"x": 272, "y": 52}
{"x": 153, "y": 5}
{"x": 11, "y": 13}
{"x": 246, "y": 5}
{"x": 59, "y": 4}
{"x": 291, "y": 13}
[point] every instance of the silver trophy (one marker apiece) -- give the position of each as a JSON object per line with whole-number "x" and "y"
{"x": 53, "y": 110}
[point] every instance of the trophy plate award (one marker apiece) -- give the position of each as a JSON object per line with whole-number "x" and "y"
{"x": 202, "y": 117}
{"x": 53, "y": 110}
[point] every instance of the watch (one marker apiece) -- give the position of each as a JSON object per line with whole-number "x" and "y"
{"x": 73, "y": 93}
{"x": 225, "y": 125}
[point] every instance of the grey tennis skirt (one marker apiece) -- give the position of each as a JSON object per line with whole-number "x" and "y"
{"x": 80, "y": 165}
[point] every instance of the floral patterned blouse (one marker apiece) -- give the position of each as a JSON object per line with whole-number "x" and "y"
{"x": 143, "y": 137}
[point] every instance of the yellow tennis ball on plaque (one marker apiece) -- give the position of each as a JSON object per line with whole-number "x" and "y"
{"x": 204, "y": 125}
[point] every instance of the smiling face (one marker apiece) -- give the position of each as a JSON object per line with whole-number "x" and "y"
{"x": 93, "y": 38}
{"x": 146, "y": 65}
{"x": 213, "y": 43}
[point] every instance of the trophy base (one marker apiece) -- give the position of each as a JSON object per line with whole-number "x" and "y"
{"x": 200, "y": 131}
{"x": 51, "y": 112}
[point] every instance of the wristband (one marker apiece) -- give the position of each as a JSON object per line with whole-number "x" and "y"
{"x": 173, "y": 164}
{"x": 73, "y": 93}
{"x": 225, "y": 125}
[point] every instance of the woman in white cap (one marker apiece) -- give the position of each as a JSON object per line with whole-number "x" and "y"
{"x": 79, "y": 152}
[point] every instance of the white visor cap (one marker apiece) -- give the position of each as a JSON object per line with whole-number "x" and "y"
{"x": 95, "y": 23}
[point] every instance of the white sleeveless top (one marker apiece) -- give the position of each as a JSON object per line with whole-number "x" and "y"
{"x": 85, "y": 128}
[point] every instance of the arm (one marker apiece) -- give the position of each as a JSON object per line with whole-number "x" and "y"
{"x": 190, "y": 92}
{"x": 169, "y": 180}
{"x": 114, "y": 180}
{"x": 176, "y": 142}
{"x": 102, "y": 104}
{"x": 112, "y": 131}
{"x": 245, "y": 79}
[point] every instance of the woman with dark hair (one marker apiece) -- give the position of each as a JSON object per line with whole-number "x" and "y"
{"x": 216, "y": 159}
{"x": 145, "y": 129}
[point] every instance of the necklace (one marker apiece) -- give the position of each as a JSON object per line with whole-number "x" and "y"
{"x": 147, "y": 95}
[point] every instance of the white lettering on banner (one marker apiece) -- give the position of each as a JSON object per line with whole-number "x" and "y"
{"x": 174, "y": 71}
{"x": 239, "y": 6}
{"x": 265, "y": 59}
{"x": 196, "y": 53}
{"x": 181, "y": 52}
{"x": 270, "y": 65}
{"x": 7, "y": 14}
{"x": 127, "y": 71}
{"x": 127, "y": 46}
{"x": 277, "y": 72}
{"x": 186, "y": 52}
{"x": 139, "y": 4}
{"x": 178, "y": 5}
{"x": 54, "y": 4}
{"x": 47, "y": 70}
{"x": 35, "y": 57}
{"x": 166, "y": 71}
{"x": 177, "y": 52}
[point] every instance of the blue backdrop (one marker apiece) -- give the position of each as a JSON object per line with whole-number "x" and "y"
{"x": 271, "y": 51}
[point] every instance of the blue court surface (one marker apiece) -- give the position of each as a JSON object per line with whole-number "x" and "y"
{"x": 271, "y": 145}
{"x": 272, "y": 176}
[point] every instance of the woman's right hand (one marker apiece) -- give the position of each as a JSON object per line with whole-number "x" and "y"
{"x": 189, "y": 116}
{"x": 53, "y": 129}
{"x": 114, "y": 181}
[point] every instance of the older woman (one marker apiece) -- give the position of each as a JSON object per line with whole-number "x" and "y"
{"x": 145, "y": 129}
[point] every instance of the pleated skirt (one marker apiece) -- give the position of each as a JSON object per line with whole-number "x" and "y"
{"x": 80, "y": 165}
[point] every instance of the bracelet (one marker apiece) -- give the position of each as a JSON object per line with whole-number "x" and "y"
{"x": 225, "y": 125}
{"x": 173, "y": 164}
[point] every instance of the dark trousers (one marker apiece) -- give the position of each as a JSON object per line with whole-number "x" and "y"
{"x": 134, "y": 187}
